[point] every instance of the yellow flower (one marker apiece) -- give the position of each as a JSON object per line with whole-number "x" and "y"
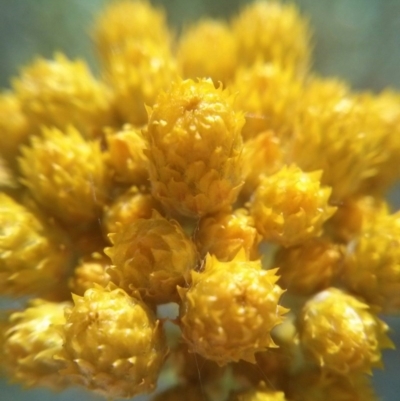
{"x": 341, "y": 334}
{"x": 152, "y": 256}
{"x": 66, "y": 175}
{"x": 34, "y": 256}
{"x": 194, "y": 148}
{"x": 229, "y": 310}
{"x": 60, "y": 93}
{"x": 113, "y": 344}
{"x": 208, "y": 49}
{"x": 31, "y": 342}
{"x": 272, "y": 31}
{"x": 291, "y": 206}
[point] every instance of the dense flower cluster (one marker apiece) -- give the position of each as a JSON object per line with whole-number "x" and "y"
{"x": 214, "y": 171}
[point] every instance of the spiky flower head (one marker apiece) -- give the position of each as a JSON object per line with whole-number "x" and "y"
{"x": 309, "y": 267}
{"x": 273, "y": 31}
{"x": 113, "y": 343}
{"x": 34, "y": 256}
{"x": 31, "y": 342}
{"x": 125, "y": 156}
{"x": 229, "y": 310}
{"x": 61, "y": 92}
{"x": 137, "y": 74}
{"x": 269, "y": 96}
{"x": 225, "y": 234}
{"x": 194, "y": 147}
{"x": 123, "y": 21}
{"x": 66, "y": 175}
{"x": 291, "y": 206}
{"x": 132, "y": 205}
{"x": 372, "y": 266}
{"x": 152, "y": 256}
{"x": 341, "y": 333}
{"x": 208, "y": 49}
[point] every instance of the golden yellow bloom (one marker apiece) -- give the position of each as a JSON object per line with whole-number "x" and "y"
{"x": 152, "y": 256}
{"x": 34, "y": 256}
{"x": 262, "y": 155}
{"x": 229, "y": 310}
{"x": 182, "y": 392}
{"x": 14, "y": 128}
{"x": 339, "y": 135}
{"x": 269, "y": 96}
{"x": 137, "y": 74}
{"x": 208, "y": 49}
{"x": 123, "y": 21}
{"x": 125, "y": 156}
{"x": 194, "y": 148}
{"x": 340, "y": 333}
{"x": 60, "y": 93}
{"x": 113, "y": 344}
{"x": 90, "y": 271}
{"x": 272, "y": 31}
{"x": 291, "y": 206}
{"x": 31, "y": 342}
{"x": 373, "y": 261}
{"x": 132, "y": 205}
{"x": 66, "y": 175}
{"x": 329, "y": 386}
{"x": 225, "y": 234}
{"x": 309, "y": 267}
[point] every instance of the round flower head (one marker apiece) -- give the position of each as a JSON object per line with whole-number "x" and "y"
{"x": 152, "y": 256}
{"x": 309, "y": 267}
{"x": 372, "y": 264}
{"x": 229, "y": 310}
{"x": 126, "y": 157}
{"x": 127, "y": 208}
{"x": 66, "y": 175}
{"x": 33, "y": 256}
{"x": 225, "y": 234}
{"x": 290, "y": 206}
{"x": 272, "y": 31}
{"x": 339, "y": 333}
{"x": 194, "y": 147}
{"x": 31, "y": 342}
{"x": 123, "y": 21}
{"x": 269, "y": 96}
{"x": 60, "y": 93}
{"x": 208, "y": 50}
{"x": 14, "y": 128}
{"x": 113, "y": 344}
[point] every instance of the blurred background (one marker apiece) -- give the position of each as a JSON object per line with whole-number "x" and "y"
{"x": 356, "y": 40}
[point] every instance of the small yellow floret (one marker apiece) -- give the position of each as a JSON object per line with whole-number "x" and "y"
{"x": 194, "y": 148}
{"x": 340, "y": 333}
{"x": 60, "y": 93}
{"x": 229, "y": 310}
{"x": 113, "y": 344}
{"x": 66, "y": 175}
{"x": 152, "y": 256}
{"x": 272, "y": 31}
{"x": 208, "y": 50}
{"x": 31, "y": 342}
{"x": 291, "y": 206}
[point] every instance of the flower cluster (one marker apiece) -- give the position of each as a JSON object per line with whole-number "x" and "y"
{"x": 214, "y": 171}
